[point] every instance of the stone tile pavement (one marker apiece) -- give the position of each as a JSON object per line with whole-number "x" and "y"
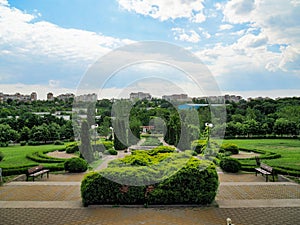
{"x": 245, "y": 198}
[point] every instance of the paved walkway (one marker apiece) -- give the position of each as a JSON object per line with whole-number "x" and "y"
{"x": 245, "y": 198}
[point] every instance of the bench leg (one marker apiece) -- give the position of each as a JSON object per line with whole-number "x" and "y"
{"x": 48, "y": 175}
{"x": 267, "y": 177}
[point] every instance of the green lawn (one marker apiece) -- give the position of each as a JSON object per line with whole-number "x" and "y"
{"x": 289, "y": 149}
{"x": 15, "y": 156}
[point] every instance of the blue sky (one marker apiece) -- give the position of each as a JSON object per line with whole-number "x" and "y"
{"x": 251, "y": 47}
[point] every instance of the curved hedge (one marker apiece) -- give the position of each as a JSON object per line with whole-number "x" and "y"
{"x": 194, "y": 183}
{"x": 230, "y": 165}
{"x": 76, "y": 165}
{"x": 40, "y": 157}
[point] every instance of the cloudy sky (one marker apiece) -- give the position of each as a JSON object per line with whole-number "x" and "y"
{"x": 250, "y": 47}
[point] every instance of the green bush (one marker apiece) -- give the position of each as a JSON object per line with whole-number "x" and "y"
{"x": 195, "y": 183}
{"x": 111, "y": 152}
{"x": 72, "y": 148}
{"x": 230, "y": 165}
{"x": 3, "y": 144}
{"x": 23, "y": 143}
{"x": 199, "y": 146}
{"x": 233, "y": 148}
{"x": 33, "y": 143}
{"x": 76, "y": 165}
{"x": 1, "y": 156}
{"x": 58, "y": 142}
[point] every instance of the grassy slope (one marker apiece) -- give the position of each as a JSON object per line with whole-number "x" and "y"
{"x": 15, "y": 156}
{"x": 289, "y": 149}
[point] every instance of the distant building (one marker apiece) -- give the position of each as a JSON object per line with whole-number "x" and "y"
{"x": 233, "y": 98}
{"x": 33, "y": 96}
{"x": 87, "y": 98}
{"x": 65, "y": 97}
{"x": 50, "y": 96}
{"x": 177, "y": 97}
{"x": 140, "y": 96}
{"x": 16, "y": 97}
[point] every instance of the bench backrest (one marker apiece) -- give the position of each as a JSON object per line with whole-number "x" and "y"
{"x": 266, "y": 167}
{"x": 35, "y": 169}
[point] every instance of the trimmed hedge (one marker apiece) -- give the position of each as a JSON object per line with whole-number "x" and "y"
{"x": 72, "y": 148}
{"x": 230, "y": 165}
{"x": 199, "y": 146}
{"x": 229, "y": 147}
{"x": 40, "y": 157}
{"x": 58, "y": 142}
{"x": 1, "y": 156}
{"x": 111, "y": 152}
{"x": 76, "y": 165}
{"x": 195, "y": 183}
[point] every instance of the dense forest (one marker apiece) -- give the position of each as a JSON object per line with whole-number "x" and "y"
{"x": 43, "y": 121}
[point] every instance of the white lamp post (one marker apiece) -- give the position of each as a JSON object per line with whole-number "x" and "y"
{"x": 94, "y": 127}
{"x": 112, "y": 133}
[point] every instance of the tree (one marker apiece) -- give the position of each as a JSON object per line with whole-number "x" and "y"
{"x": 54, "y": 131}
{"x": 40, "y": 133}
{"x": 85, "y": 147}
{"x": 7, "y": 134}
{"x": 24, "y": 134}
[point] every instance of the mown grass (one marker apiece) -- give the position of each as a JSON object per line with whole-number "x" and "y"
{"x": 15, "y": 155}
{"x": 289, "y": 149}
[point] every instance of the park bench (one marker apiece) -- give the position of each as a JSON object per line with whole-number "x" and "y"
{"x": 36, "y": 171}
{"x": 265, "y": 170}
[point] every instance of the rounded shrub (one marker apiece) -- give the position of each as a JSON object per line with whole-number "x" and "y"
{"x": 111, "y": 152}
{"x": 23, "y": 143}
{"x": 1, "y": 156}
{"x": 233, "y": 148}
{"x": 230, "y": 165}
{"x": 199, "y": 146}
{"x": 195, "y": 183}
{"x": 58, "y": 142}
{"x": 72, "y": 148}
{"x": 76, "y": 165}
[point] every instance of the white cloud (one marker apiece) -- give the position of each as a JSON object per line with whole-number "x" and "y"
{"x": 167, "y": 9}
{"x": 23, "y": 38}
{"x": 54, "y": 83}
{"x": 277, "y": 23}
{"x": 188, "y": 36}
{"x": 225, "y": 27}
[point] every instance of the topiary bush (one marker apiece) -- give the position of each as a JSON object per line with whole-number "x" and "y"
{"x": 72, "y": 148}
{"x": 233, "y": 148}
{"x": 195, "y": 183}
{"x": 76, "y": 165}
{"x": 230, "y": 165}
{"x": 23, "y": 143}
{"x": 58, "y": 142}
{"x": 1, "y": 156}
{"x": 199, "y": 146}
{"x": 111, "y": 152}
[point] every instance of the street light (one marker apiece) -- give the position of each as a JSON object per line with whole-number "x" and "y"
{"x": 94, "y": 127}
{"x": 208, "y": 127}
{"x": 112, "y": 133}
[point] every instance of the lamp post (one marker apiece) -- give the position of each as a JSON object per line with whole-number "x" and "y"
{"x": 112, "y": 133}
{"x": 208, "y": 127}
{"x": 94, "y": 127}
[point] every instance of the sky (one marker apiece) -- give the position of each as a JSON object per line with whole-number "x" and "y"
{"x": 250, "y": 47}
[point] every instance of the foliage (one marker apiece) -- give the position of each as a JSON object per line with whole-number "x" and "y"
{"x": 199, "y": 146}
{"x": 72, "y": 148}
{"x": 152, "y": 141}
{"x": 111, "y": 152}
{"x": 33, "y": 143}
{"x": 230, "y": 165}
{"x": 23, "y": 143}
{"x": 1, "y": 156}
{"x": 230, "y": 147}
{"x": 75, "y": 165}
{"x": 58, "y": 142}
{"x": 7, "y": 133}
{"x": 190, "y": 185}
